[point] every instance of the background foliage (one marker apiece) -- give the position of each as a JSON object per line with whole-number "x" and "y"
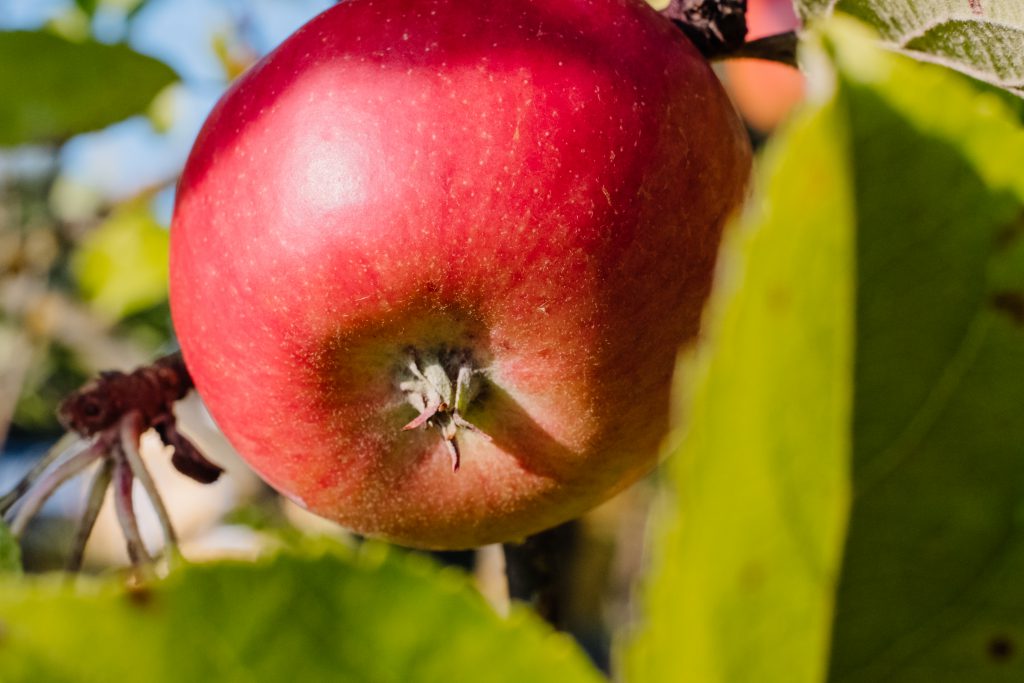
{"x": 844, "y": 496}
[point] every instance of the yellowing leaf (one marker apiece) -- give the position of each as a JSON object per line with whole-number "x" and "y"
{"x": 121, "y": 267}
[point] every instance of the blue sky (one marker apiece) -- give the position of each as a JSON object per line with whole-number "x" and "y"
{"x": 131, "y": 155}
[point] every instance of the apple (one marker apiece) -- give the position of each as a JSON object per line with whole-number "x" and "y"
{"x": 765, "y": 92}
{"x": 435, "y": 235}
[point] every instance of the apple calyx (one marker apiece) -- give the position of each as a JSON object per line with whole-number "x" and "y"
{"x": 440, "y": 388}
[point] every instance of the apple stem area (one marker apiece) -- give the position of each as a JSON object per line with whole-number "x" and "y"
{"x": 718, "y": 28}
{"x": 440, "y": 386}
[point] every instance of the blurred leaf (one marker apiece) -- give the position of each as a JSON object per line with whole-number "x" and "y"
{"x": 131, "y": 7}
{"x": 87, "y": 6}
{"x": 233, "y": 56}
{"x": 54, "y": 88}
{"x": 747, "y": 551}
{"x": 931, "y": 588}
{"x": 369, "y": 616}
{"x": 121, "y": 267}
{"x": 162, "y": 111}
{"x": 16, "y": 356}
{"x": 10, "y": 552}
{"x": 982, "y": 38}
{"x": 52, "y": 374}
{"x": 72, "y": 24}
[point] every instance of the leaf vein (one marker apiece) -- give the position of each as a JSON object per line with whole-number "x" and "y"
{"x": 892, "y": 456}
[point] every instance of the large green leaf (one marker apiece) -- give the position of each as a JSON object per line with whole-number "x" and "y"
{"x": 53, "y": 88}
{"x": 369, "y": 616}
{"x": 983, "y": 38}
{"x": 747, "y": 551}
{"x": 915, "y": 176}
{"x": 931, "y": 587}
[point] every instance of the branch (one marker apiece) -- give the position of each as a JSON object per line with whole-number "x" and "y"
{"x": 718, "y": 29}
{"x": 538, "y": 570}
{"x": 780, "y": 47}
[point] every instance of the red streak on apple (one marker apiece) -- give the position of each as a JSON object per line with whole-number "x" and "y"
{"x": 531, "y": 189}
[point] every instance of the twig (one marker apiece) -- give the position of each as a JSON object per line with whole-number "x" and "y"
{"x": 538, "y": 570}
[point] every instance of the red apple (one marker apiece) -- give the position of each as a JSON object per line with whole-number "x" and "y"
{"x": 765, "y": 92}
{"x": 493, "y": 224}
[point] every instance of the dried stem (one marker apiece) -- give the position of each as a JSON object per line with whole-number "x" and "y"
{"x": 64, "y": 445}
{"x": 151, "y": 390}
{"x": 94, "y": 502}
{"x": 48, "y": 484}
{"x": 715, "y": 27}
{"x": 718, "y": 29}
{"x": 110, "y": 415}
{"x": 125, "y": 508}
{"x": 131, "y": 431}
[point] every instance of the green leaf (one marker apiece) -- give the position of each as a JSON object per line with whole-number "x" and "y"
{"x": 747, "y": 550}
{"x": 907, "y": 183}
{"x": 87, "y": 6}
{"x": 931, "y": 587}
{"x": 54, "y": 88}
{"x": 340, "y": 616}
{"x": 121, "y": 267}
{"x": 982, "y": 38}
{"x": 10, "y": 551}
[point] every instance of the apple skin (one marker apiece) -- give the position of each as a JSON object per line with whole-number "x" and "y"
{"x": 538, "y": 184}
{"x": 765, "y": 92}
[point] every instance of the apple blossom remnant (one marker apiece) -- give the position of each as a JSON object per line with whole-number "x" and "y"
{"x": 106, "y": 419}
